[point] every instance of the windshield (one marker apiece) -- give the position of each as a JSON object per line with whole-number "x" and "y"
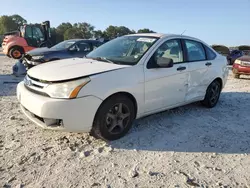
{"x": 63, "y": 45}
{"x": 124, "y": 50}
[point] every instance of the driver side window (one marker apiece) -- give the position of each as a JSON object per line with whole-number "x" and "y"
{"x": 170, "y": 49}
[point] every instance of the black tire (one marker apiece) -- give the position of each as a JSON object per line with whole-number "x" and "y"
{"x": 237, "y": 76}
{"x": 212, "y": 94}
{"x": 16, "y": 52}
{"x": 108, "y": 118}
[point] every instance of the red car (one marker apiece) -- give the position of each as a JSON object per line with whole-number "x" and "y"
{"x": 241, "y": 66}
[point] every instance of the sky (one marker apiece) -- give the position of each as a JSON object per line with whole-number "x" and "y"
{"x": 213, "y": 21}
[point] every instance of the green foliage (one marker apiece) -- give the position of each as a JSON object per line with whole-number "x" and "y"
{"x": 68, "y": 30}
{"x": 7, "y": 24}
{"x": 10, "y": 23}
{"x": 221, "y": 49}
{"x": 19, "y": 20}
{"x": 145, "y": 30}
{"x": 244, "y": 47}
{"x": 72, "y": 33}
{"x": 63, "y": 27}
{"x": 115, "y": 31}
{"x": 79, "y": 30}
{"x": 54, "y": 37}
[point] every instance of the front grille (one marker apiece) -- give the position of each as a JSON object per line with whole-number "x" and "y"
{"x": 40, "y": 81}
{"x": 36, "y": 92}
{"x": 35, "y": 86}
{"x": 45, "y": 121}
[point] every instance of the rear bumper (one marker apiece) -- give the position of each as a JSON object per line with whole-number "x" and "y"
{"x": 239, "y": 69}
{"x": 76, "y": 115}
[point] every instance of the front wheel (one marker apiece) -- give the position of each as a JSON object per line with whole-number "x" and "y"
{"x": 212, "y": 94}
{"x": 114, "y": 118}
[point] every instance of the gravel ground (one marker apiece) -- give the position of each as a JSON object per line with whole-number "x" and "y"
{"x": 183, "y": 147}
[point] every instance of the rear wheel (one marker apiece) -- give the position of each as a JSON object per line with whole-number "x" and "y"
{"x": 16, "y": 52}
{"x": 212, "y": 94}
{"x": 114, "y": 118}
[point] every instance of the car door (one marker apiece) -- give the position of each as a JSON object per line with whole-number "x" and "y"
{"x": 166, "y": 87}
{"x": 199, "y": 69}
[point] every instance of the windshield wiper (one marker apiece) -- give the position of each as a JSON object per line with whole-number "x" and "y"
{"x": 102, "y": 59}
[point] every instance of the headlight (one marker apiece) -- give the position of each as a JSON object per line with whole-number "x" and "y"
{"x": 37, "y": 57}
{"x": 237, "y": 61}
{"x": 67, "y": 90}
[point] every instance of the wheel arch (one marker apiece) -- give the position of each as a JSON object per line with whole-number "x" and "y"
{"x": 124, "y": 93}
{"x": 220, "y": 81}
{"x": 15, "y": 46}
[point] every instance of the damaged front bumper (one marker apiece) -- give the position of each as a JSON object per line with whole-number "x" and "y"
{"x": 74, "y": 115}
{"x": 23, "y": 65}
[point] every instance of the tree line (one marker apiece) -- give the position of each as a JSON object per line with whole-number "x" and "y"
{"x": 68, "y": 30}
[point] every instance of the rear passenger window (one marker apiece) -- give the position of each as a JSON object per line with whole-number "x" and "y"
{"x": 210, "y": 54}
{"x": 195, "y": 51}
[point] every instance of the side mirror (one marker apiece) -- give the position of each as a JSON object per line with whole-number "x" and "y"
{"x": 165, "y": 62}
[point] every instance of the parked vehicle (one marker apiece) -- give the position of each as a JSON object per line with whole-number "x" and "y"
{"x": 124, "y": 79}
{"x": 63, "y": 50}
{"x": 241, "y": 66}
{"x": 246, "y": 52}
{"x": 235, "y": 54}
{"x": 28, "y": 37}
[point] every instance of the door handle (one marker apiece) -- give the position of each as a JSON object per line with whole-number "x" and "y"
{"x": 208, "y": 64}
{"x": 181, "y": 68}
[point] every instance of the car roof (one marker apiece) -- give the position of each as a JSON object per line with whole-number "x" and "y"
{"x": 162, "y": 35}
{"x": 77, "y": 40}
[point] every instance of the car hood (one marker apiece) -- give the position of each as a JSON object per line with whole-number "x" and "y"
{"x": 244, "y": 58}
{"x": 70, "y": 69}
{"x": 42, "y": 51}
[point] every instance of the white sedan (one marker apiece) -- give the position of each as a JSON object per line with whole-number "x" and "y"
{"x": 127, "y": 78}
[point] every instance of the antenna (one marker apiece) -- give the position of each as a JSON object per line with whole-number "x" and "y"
{"x": 183, "y": 32}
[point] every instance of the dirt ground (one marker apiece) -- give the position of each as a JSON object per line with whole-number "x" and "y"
{"x": 183, "y": 147}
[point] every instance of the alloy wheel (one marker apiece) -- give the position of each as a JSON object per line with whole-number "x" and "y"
{"x": 117, "y": 118}
{"x": 214, "y": 93}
